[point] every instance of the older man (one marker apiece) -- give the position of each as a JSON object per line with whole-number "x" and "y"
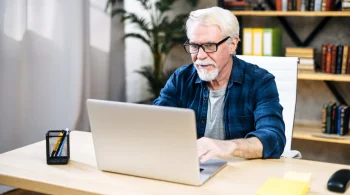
{"x": 236, "y": 103}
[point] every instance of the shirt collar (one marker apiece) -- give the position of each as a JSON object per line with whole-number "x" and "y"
{"x": 236, "y": 73}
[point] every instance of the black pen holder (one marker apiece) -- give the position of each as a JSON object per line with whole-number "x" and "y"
{"x": 57, "y": 147}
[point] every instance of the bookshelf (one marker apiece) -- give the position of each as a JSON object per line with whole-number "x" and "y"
{"x": 324, "y": 77}
{"x": 294, "y": 13}
{"x": 313, "y": 132}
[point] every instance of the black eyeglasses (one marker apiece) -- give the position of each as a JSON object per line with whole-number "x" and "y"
{"x": 207, "y": 47}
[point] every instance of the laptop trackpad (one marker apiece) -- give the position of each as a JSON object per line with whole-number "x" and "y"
{"x": 210, "y": 168}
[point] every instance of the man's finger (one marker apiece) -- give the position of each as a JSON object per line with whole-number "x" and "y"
{"x": 202, "y": 152}
{"x": 203, "y": 148}
{"x": 207, "y": 156}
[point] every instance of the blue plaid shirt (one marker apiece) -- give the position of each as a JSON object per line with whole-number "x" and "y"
{"x": 251, "y": 108}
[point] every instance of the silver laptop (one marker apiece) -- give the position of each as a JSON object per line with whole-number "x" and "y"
{"x": 148, "y": 141}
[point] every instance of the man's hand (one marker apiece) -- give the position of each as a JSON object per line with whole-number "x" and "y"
{"x": 243, "y": 148}
{"x": 208, "y": 148}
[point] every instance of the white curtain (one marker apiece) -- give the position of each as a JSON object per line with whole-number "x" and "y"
{"x": 54, "y": 54}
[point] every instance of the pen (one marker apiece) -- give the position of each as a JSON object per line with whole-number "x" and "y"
{"x": 61, "y": 143}
{"x": 64, "y": 140}
{"x": 57, "y": 144}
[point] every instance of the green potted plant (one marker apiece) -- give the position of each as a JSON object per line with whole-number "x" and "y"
{"x": 160, "y": 34}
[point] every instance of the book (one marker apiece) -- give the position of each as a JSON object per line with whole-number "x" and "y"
{"x": 329, "y": 58}
{"x": 344, "y": 120}
{"x": 303, "y": 5}
{"x": 323, "y": 57}
{"x": 306, "y": 67}
{"x": 298, "y": 5}
{"x": 345, "y": 59}
{"x": 323, "y": 7}
{"x": 278, "y": 5}
{"x": 318, "y": 5}
{"x": 334, "y": 59}
{"x": 311, "y": 5}
{"x": 348, "y": 65}
{"x": 308, "y": 50}
{"x": 329, "y": 117}
{"x": 272, "y": 42}
{"x": 323, "y": 118}
{"x": 339, "y": 59}
{"x": 334, "y": 117}
{"x": 284, "y": 5}
{"x": 329, "y": 5}
{"x": 306, "y": 61}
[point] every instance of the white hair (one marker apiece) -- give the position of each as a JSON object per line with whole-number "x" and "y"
{"x": 214, "y": 16}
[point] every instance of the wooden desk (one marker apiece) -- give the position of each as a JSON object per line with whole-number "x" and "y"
{"x": 26, "y": 168}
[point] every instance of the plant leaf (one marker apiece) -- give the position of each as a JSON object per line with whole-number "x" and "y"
{"x": 164, "y": 5}
{"x": 145, "y": 4}
{"x": 155, "y": 83}
{"x": 139, "y": 36}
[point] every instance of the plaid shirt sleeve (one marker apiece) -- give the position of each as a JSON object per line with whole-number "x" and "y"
{"x": 268, "y": 118}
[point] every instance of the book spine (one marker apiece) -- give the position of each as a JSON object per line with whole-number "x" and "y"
{"x": 345, "y": 59}
{"x": 339, "y": 59}
{"x": 298, "y": 6}
{"x": 302, "y": 6}
{"x": 329, "y": 59}
{"x": 341, "y": 129}
{"x": 278, "y": 5}
{"x": 324, "y": 115}
{"x": 323, "y": 58}
{"x": 323, "y": 7}
{"x": 284, "y": 5}
{"x": 338, "y": 119}
{"x": 290, "y": 5}
{"x": 329, "y": 118}
{"x": 307, "y": 5}
{"x": 318, "y": 5}
{"x": 334, "y": 122}
{"x": 329, "y": 4}
{"x": 348, "y": 65}
{"x": 334, "y": 59}
{"x": 346, "y": 120}
{"x": 312, "y": 5}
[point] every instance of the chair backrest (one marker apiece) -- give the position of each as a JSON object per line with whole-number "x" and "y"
{"x": 285, "y": 70}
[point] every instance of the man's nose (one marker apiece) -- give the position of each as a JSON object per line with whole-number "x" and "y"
{"x": 201, "y": 54}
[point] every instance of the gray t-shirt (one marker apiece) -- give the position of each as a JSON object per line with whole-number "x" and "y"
{"x": 215, "y": 124}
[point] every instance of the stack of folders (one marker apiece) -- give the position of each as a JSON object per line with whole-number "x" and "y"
{"x": 335, "y": 119}
{"x": 306, "y": 58}
{"x": 262, "y": 41}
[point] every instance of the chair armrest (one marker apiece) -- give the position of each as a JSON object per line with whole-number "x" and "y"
{"x": 291, "y": 154}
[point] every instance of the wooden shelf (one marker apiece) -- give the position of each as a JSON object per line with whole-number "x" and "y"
{"x": 293, "y": 13}
{"x": 324, "y": 77}
{"x": 314, "y": 133}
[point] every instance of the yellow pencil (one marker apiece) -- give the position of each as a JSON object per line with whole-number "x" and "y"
{"x": 57, "y": 144}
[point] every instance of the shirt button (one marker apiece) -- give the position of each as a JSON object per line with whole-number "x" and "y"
{"x": 203, "y": 121}
{"x": 205, "y": 98}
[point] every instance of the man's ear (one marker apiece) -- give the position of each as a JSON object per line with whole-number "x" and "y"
{"x": 233, "y": 45}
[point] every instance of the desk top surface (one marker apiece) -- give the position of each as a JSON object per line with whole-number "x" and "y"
{"x": 26, "y": 168}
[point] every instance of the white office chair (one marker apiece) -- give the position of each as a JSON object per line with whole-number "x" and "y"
{"x": 285, "y": 70}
